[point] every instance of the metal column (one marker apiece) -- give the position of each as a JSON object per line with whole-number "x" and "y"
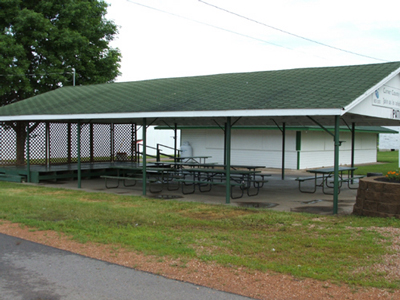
{"x": 28, "y": 163}
{"x": 228, "y": 159}
{"x": 336, "y": 167}
{"x": 283, "y": 149}
{"x": 353, "y": 138}
{"x": 79, "y": 154}
{"x": 144, "y": 154}
{"x": 175, "y": 141}
{"x": 47, "y": 154}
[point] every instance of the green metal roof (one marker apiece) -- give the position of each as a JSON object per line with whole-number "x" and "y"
{"x": 309, "y": 88}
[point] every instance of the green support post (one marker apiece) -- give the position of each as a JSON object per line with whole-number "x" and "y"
{"x": 283, "y": 149}
{"x": 175, "y": 142}
{"x": 298, "y": 148}
{"x": 144, "y": 154}
{"x": 353, "y": 138}
{"x": 336, "y": 167}
{"x": 225, "y": 143}
{"x": 228, "y": 159}
{"x": 79, "y": 155}
{"x": 28, "y": 163}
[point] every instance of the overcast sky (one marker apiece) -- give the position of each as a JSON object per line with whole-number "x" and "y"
{"x": 173, "y": 38}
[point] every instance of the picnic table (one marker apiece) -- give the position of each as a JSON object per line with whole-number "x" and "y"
{"x": 194, "y": 159}
{"x": 249, "y": 167}
{"x": 201, "y": 175}
{"x": 157, "y": 177}
{"x": 180, "y": 165}
{"x": 205, "y": 178}
{"x": 324, "y": 174}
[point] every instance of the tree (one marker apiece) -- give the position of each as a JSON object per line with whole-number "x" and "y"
{"x": 42, "y": 41}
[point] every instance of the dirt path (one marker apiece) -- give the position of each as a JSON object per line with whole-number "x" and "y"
{"x": 252, "y": 284}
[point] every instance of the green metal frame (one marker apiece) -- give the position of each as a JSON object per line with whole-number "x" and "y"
{"x": 228, "y": 138}
{"x": 79, "y": 154}
{"x": 144, "y": 154}
{"x": 336, "y": 167}
{"x": 298, "y": 148}
{"x": 28, "y": 161}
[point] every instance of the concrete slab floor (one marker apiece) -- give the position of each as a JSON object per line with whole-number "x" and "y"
{"x": 277, "y": 194}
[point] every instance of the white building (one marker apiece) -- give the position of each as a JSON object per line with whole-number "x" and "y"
{"x": 305, "y": 147}
{"x": 390, "y": 141}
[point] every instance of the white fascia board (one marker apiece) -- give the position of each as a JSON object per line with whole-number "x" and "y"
{"x": 179, "y": 114}
{"x": 371, "y": 90}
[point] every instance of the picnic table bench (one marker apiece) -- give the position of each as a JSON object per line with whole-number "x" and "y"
{"x": 156, "y": 178}
{"x": 124, "y": 179}
{"x": 350, "y": 180}
{"x": 324, "y": 174}
{"x": 302, "y": 179}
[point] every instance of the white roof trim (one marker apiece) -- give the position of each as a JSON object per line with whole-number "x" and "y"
{"x": 371, "y": 90}
{"x": 180, "y": 114}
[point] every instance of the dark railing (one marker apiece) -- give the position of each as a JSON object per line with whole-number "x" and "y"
{"x": 159, "y": 152}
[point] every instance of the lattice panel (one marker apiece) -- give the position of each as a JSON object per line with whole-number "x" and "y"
{"x": 37, "y": 143}
{"x": 8, "y": 143}
{"x": 59, "y": 143}
{"x": 8, "y": 148}
{"x": 85, "y": 142}
{"x": 56, "y": 143}
{"x": 101, "y": 142}
{"x": 124, "y": 144}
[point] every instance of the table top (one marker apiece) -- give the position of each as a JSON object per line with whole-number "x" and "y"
{"x": 193, "y": 164}
{"x": 212, "y": 165}
{"x": 221, "y": 171}
{"x": 195, "y": 167}
{"x": 331, "y": 170}
{"x": 221, "y": 165}
{"x": 247, "y": 167}
{"x": 159, "y": 169}
{"x": 192, "y": 157}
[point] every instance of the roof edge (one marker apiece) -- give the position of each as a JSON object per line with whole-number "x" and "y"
{"x": 179, "y": 114}
{"x": 371, "y": 90}
{"x": 364, "y": 129}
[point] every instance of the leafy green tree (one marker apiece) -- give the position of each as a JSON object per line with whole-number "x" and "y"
{"x": 41, "y": 42}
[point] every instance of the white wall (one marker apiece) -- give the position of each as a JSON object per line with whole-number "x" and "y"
{"x": 250, "y": 147}
{"x": 317, "y": 149}
{"x": 264, "y": 147}
{"x": 388, "y": 141}
{"x": 164, "y": 137}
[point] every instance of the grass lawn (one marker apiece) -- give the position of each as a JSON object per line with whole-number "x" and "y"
{"x": 321, "y": 247}
{"x": 388, "y": 161}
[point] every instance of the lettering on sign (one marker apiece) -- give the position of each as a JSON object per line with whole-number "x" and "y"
{"x": 396, "y": 114}
{"x": 388, "y": 97}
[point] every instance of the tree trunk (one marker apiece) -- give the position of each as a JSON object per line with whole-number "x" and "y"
{"x": 20, "y": 131}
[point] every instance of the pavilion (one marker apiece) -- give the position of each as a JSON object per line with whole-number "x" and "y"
{"x": 360, "y": 95}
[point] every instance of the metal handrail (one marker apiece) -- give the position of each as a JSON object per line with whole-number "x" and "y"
{"x": 158, "y": 152}
{"x": 167, "y": 155}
